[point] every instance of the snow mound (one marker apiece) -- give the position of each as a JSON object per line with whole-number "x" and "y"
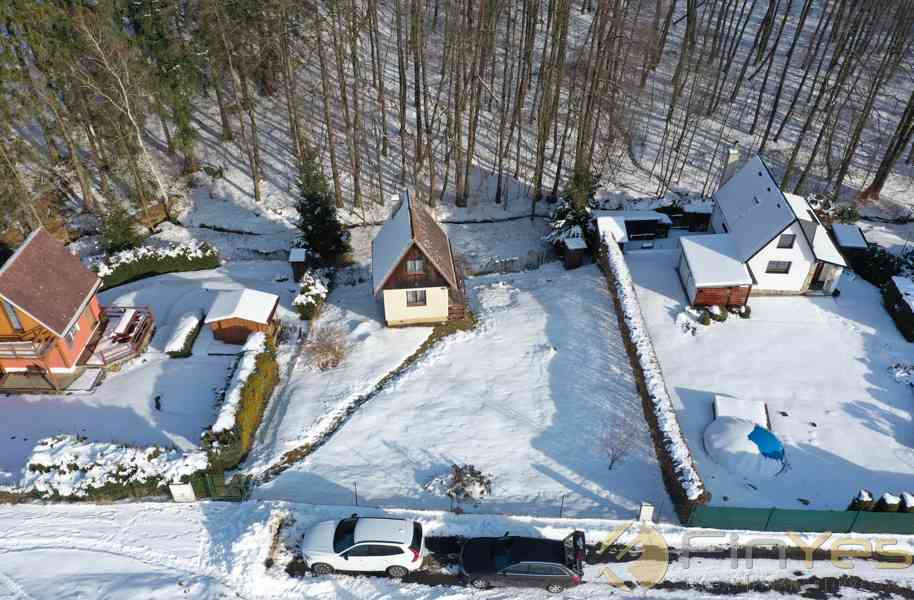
{"x": 744, "y": 448}
{"x": 188, "y": 322}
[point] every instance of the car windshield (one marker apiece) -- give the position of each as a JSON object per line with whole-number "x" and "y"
{"x": 501, "y": 555}
{"x": 344, "y": 536}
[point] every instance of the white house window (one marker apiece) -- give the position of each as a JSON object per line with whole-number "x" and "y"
{"x": 12, "y": 316}
{"x": 71, "y": 335}
{"x": 415, "y": 297}
{"x": 778, "y": 266}
{"x": 415, "y": 267}
{"x": 786, "y": 240}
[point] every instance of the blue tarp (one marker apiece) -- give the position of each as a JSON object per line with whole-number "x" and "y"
{"x": 767, "y": 443}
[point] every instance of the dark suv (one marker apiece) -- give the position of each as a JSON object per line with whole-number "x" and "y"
{"x": 523, "y": 562}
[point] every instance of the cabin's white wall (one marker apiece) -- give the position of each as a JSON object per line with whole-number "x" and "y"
{"x": 800, "y": 256}
{"x": 685, "y": 276}
{"x": 396, "y": 312}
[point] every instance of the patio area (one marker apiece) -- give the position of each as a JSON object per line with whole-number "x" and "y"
{"x": 123, "y": 333}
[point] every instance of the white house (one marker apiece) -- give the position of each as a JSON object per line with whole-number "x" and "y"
{"x": 777, "y": 237}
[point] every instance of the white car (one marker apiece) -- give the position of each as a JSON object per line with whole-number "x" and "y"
{"x": 364, "y": 544}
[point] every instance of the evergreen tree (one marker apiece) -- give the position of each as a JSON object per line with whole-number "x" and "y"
{"x": 118, "y": 231}
{"x": 321, "y": 231}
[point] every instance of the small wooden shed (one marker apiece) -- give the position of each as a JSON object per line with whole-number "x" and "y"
{"x": 711, "y": 272}
{"x": 898, "y": 296}
{"x": 297, "y": 260}
{"x": 237, "y": 314}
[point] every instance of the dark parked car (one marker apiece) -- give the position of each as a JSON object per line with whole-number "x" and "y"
{"x": 523, "y": 562}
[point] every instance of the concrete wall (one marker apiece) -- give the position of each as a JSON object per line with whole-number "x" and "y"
{"x": 396, "y": 312}
{"x": 685, "y": 276}
{"x": 800, "y": 256}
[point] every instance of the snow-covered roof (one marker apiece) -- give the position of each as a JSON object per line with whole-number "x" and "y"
{"x": 906, "y": 287}
{"x": 753, "y": 206}
{"x": 247, "y": 304}
{"x": 849, "y": 236}
{"x": 298, "y": 255}
{"x": 752, "y": 410}
{"x": 714, "y": 260}
{"x": 575, "y": 243}
{"x": 822, "y": 245}
{"x": 391, "y": 243}
{"x": 612, "y": 222}
{"x": 410, "y": 224}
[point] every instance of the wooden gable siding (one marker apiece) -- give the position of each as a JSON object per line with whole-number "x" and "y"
{"x": 400, "y": 279}
{"x": 723, "y": 296}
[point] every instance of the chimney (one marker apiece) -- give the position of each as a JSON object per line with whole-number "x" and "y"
{"x": 733, "y": 160}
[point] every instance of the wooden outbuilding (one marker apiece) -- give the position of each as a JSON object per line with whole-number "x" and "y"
{"x": 297, "y": 260}
{"x": 711, "y": 272}
{"x": 898, "y": 297}
{"x": 237, "y": 314}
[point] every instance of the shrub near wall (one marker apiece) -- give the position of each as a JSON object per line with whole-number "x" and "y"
{"x": 137, "y": 263}
{"x": 231, "y": 437}
{"x": 680, "y": 477}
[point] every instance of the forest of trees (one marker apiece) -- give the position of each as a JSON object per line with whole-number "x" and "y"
{"x": 422, "y": 92}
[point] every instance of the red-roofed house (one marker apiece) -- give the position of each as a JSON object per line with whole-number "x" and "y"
{"x": 50, "y": 315}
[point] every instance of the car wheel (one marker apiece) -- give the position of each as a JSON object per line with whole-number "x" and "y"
{"x": 397, "y": 572}
{"x": 321, "y": 569}
{"x": 555, "y": 588}
{"x": 480, "y": 584}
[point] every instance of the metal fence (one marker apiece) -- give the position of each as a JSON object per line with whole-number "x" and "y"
{"x": 780, "y": 519}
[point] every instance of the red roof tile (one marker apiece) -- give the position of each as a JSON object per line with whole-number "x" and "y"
{"x": 47, "y": 282}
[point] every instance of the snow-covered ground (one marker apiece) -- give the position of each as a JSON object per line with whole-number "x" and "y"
{"x": 208, "y": 550}
{"x": 308, "y": 399}
{"x": 122, "y": 408}
{"x": 822, "y": 367}
{"x": 524, "y": 397}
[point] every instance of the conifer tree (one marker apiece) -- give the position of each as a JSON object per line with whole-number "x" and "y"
{"x": 321, "y": 231}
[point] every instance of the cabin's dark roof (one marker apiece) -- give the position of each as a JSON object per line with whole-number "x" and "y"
{"x": 433, "y": 242}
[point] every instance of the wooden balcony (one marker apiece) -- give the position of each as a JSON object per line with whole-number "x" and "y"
{"x": 15, "y": 348}
{"x": 124, "y": 333}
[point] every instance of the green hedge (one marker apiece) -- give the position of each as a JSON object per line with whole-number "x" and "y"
{"x": 140, "y": 263}
{"x": 878, "y": 266}
{"x": 228, "y": 448}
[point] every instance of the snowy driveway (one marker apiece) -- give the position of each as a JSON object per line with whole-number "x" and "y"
{"x": 523, "y": 397}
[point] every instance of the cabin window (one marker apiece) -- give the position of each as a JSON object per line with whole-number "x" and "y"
{"x": 415, "y": 267}
{"x": 786, "y": 240}
{"x": 415, "y": 297}
{"x": 778, "y": 266}
{"x": 11, "y": 316}
{"x": 71, "y": 335}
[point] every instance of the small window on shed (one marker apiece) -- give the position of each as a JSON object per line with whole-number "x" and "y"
{"x": 415, "y": 267}
{"x": 778, "y": 266}
{"x": 786, "y": 240}
{"x": 415, "y": 297}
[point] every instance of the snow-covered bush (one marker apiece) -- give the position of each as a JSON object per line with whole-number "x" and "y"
{"x": 67, "y": 466}
{"x": 119, "y": 230}
{"x": 888, "y": 502}
{"x": 862, "y": 501}
{"x": 328, "y": 347}
{"x": 181, "y": 342}
{"x": 744, "y": 312}
{"x": 130, "y": 265}
{"x": 718, "y": 313}
{"x": 244, "y": 401}
{"x": 704, "y": 317}
{"x": 464, "y": 483}
{"x": 313, "y": 291}
{"x": 682, "y": 480}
